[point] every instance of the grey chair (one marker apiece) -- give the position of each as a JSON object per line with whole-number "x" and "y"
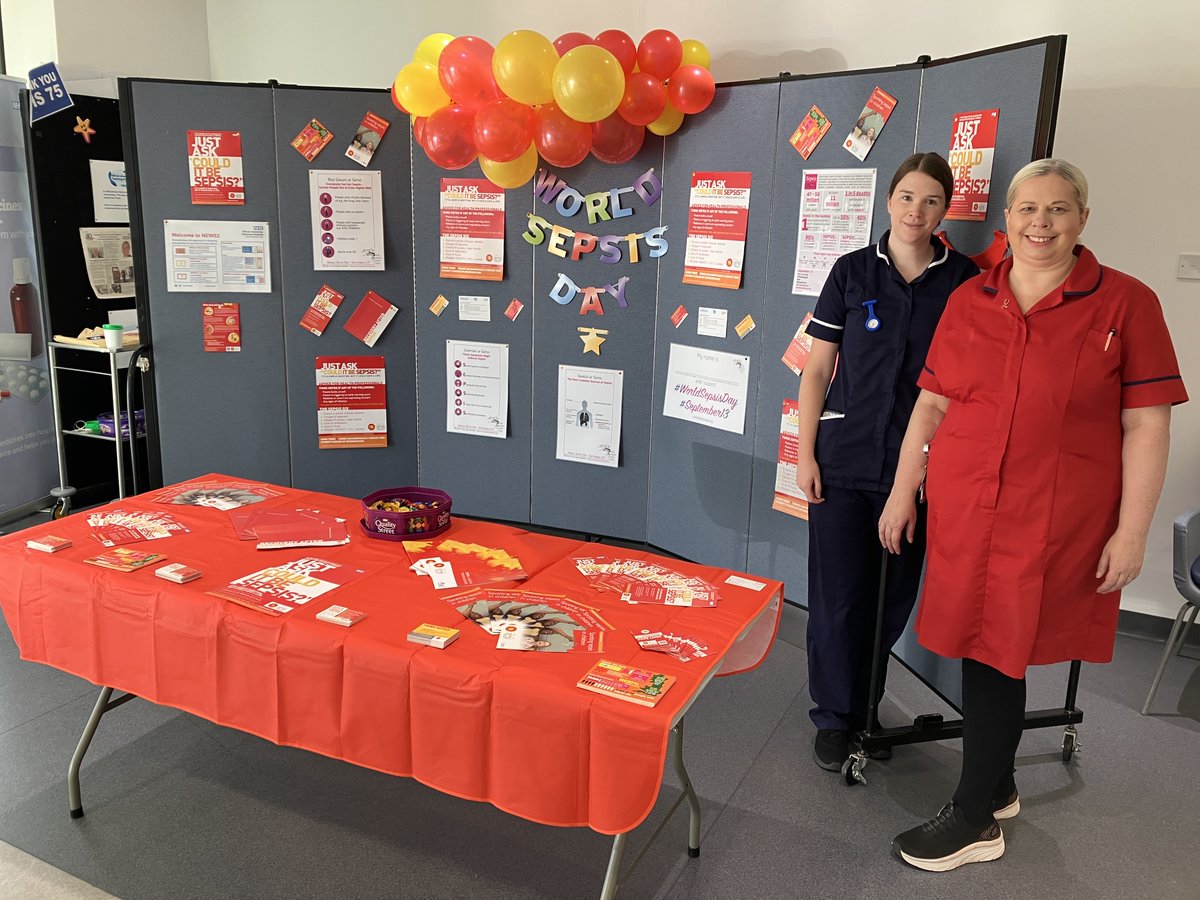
{"x": 1186, "y": 568}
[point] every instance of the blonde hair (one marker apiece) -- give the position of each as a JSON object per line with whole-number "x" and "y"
{"x": 1068, "y": 172}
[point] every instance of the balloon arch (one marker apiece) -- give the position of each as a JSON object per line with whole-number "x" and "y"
{"x": 529, "y": 98}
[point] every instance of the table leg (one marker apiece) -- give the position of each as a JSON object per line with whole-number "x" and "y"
{"x": 688, "y": 791}
{"x": 612, "y": 878}
{"x": 102, "y": 706}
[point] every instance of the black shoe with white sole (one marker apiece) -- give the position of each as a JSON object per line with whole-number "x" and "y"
{"x": 831, "y": 748}
{"x": 948, "y": 841}
{"x": 1002, "y": 807}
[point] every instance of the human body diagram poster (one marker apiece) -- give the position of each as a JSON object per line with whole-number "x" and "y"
{"x": 707, "y": 387}
{"x": 477, "y": 388}
{"x": 835, "y": 217}
{"x": 589, "y": 415}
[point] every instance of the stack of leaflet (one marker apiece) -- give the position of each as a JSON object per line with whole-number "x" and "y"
{"x": 638, "y": 581}
{"x": 531, "y": 620}
{"x": 275, "y": 529}
{"x": 114, "y": 527}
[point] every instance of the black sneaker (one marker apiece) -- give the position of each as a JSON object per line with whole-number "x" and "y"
{"x": 1002, "y": 807}
{"x": 831, "y": 749}
{"x": 948, "y": 841}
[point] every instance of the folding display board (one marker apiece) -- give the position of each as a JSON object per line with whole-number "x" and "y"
{"x": 702, "y": 492}
{"x": 701, "y": 476}
{"x": 487, "y": 476}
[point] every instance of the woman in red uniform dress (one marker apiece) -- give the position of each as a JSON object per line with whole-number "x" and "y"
{"x": 1045, "y": 405}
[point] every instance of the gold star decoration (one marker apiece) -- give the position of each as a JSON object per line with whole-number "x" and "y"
{"x": 591, "y": 339}
{"x": 83, "y": 127}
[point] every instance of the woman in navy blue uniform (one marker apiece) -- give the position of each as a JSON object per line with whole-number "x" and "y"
{"x": 871, "y": 329}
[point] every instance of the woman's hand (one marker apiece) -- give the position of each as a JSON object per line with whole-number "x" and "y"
{"x": 899, "y": 518}
{"x": 1121, "y": 561}
{"x": 808, "y": 479}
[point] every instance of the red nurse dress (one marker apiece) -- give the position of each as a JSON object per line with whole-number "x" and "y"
{"x": 1024, "y": 477}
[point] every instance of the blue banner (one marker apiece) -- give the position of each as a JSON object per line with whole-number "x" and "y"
{"x": 47, "y": 92}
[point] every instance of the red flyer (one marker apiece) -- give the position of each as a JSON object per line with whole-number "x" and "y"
{"x": 367, "y": 138}
{"x": 215, "y": 168}
{"x": 312, "y": 139}
{"x": 280, "y": 589}
{"x": 472, "y": 229}
{"x": 369, "y": 318}
{"x": 972, "y": 148}
{"x": 800, "y": 346}
{"x": 321, "y": 310}
{"x": 870, "y": 122}
{"x": 809, "y": 132}
{"x": 716, "y": 235}
{"x": 351, "y": 402}
{"x": 222, "y": 328}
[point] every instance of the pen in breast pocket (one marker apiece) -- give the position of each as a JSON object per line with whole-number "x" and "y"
{"x": 1112, "y": 332}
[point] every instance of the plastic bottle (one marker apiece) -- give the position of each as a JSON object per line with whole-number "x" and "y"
{"x": 24, "y": 301}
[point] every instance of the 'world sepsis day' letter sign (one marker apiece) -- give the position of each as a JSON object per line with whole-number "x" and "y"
{"x": 600, "y": 206}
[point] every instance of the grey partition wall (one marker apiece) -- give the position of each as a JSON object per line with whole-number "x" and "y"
{"x": 779, "y": 542}
{"x": 355, "y": 471}
{"x": 598, "y": 499}
{"x": 700, "y": 477}
{"x": 486, "y": 476}
{"x": 216, "y": 412}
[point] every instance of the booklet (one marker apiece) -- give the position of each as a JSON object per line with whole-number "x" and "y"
{"x": 370, "y": 318}
{"x": 641, "y": 686}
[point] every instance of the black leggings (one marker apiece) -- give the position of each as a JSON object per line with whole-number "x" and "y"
{"x": 993, "y": 719}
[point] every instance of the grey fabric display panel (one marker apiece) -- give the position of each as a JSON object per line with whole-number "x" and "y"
{"x": 486, "y": 476}
{"x": 356, "y": 471}
{"x": 578, "y": 496}
{"x": 700, "y": 477}
{"x": 1009, "y": 80}
{"x": 779, "y": 542}
{"x": 217, "y": 412}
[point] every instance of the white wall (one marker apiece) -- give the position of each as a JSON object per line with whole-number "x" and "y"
{"x": 28, "y": 34}
{"x": 1131, "y": 89}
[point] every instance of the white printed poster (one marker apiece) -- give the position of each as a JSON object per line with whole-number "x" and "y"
{"x": 218, "y": 257}
{"x": 347, "y": 219}
{"x": 108, "y": 258}
{"x": 110, "y": 197}
{"x": 835, "y": 217}
{"x": 707, "y": 387}
{"x": 589, "y": 415}
{"x": 788, "y": 496}
{"x": 477, "y": 388}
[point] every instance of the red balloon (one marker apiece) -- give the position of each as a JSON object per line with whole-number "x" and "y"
{"x": 465, "y": 71}
{"x": 660, "y": 53}
{"x": 396, "y": 100}
{"x": 561, "y": 141}
{"x": 691, "y": 89}
{"x": 569, "y": 41}
{"x": 504, "y": 129}
{"x": 450, "y": 137}
{"x": 614, "y": 140}
{"x": 645, "y": 99}
{"x": 621, "y": 45}
{"x": 418, "y": 126}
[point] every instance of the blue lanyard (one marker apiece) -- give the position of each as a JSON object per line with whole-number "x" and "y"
{"x": 872, "y": 316}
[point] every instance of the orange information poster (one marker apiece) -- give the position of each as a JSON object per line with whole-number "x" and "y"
{"x": 800, "y": 346}
{"x": 788, "y": 497}
{"x": 472, "y": 229}
{"x": 351, "y": 402}
{"x": 972, "y": 148}
{"x": 222, "y": 328}
{"x": 716, "y": 239}
{"x": 215, "y": 168}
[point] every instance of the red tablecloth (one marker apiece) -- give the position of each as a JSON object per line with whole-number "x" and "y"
{"x": 503, "y": 726}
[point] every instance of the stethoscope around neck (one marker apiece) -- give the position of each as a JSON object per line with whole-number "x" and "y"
{"x": 872, "y": 323}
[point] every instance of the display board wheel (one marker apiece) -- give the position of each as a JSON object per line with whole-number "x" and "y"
{"x": 852, "y": 769}
{"x": 1070, "y": 743}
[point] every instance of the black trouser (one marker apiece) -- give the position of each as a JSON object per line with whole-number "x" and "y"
{"x": 843, "y": 593}
{"x": 993, "y": 719}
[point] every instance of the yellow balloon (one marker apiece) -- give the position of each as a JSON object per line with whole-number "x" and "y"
{"x": 523, "y": 64}
{"x": 668, "y": 122}
{"x": 511, "y": 174}
{"x": 431, "y": 47}
{"x": 696, "y": 54}
{"x": 419, "y": 89}
{"x": 588, "y": 83}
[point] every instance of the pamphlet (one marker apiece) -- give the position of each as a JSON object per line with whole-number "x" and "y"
{"x": 640, "y": 686}
{"x": 276, "y": 590}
